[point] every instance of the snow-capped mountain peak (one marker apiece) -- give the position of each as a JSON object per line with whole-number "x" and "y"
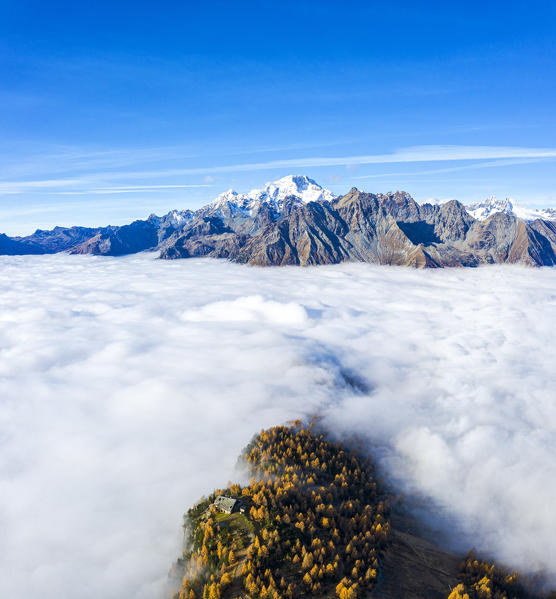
{"x": 297, "y": 187}
{"x": 227, "y": 196}
{"x": 179, "y": 217}
{"x": 491, "y": 205}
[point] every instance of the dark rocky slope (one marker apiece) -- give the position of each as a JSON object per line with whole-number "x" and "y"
{"x": 379, "y": 229}
{"x": 138, "y": 236}
{"x": 58, "y": 239}
{"x": 116, "y": 241}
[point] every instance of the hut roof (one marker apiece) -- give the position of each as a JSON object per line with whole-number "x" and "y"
{"x": 226, "y": 504}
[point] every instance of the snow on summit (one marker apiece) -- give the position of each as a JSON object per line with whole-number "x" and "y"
{"x": 302, "y": 189}
{"x": 492, "y": 204}
{"x": 275, "y": 193}
{"x": 297, "y": 186}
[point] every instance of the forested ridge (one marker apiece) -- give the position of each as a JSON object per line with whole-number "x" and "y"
{"x": 484, "y": 580}
{"x": 314, "y": 522}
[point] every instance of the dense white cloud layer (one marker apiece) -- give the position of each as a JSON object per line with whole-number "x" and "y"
{"x": 129, "y": 386}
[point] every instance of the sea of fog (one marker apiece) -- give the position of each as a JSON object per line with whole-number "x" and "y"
{"x": 128, "y": 386}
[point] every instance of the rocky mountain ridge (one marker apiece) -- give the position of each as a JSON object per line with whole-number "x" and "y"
{"x": 294, "y": 221}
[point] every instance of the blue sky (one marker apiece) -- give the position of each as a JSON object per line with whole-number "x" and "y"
{"x": 108, "y": 113}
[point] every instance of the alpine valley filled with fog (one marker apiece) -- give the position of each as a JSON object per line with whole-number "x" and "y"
{"x": 132, "y": 384}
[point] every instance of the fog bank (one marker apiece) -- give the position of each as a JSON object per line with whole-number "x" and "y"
{"x": 128, "y": 386}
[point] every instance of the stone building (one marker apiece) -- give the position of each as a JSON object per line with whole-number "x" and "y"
{"x": 228, "y": 505}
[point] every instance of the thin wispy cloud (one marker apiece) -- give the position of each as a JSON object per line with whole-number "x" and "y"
{"x": 134, "y": 189}
{"x": 62, "y": 159}
{"x": 407, "y": 155}
{"x": 454, "y": 169}
{"x": 18, "y": 187}
{"x": 56, "y": 160}
{"x": 418, "y": 154}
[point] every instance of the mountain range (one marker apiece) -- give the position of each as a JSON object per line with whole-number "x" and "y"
{"x": 296, "y": 221}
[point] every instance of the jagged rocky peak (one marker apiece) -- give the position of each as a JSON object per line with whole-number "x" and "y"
{"x": 492, "y": 205}
{"x": 298, "y": 188}
{"x": 400, "y": 205}
{"x": 399, "y": 198}
{"x": 354, "y": 196}
{"x": 178, "y": 217}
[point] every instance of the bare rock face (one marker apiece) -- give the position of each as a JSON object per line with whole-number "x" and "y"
{"x": 450, "y": 221}
{"x": 543, "y": 236}
{"x": 116, "y": 241}
{"x": 503, "y": 238}
{"x": 387, "y": 229}
{"x": 308, "y": 235}
{"x": 208, "y": 236}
